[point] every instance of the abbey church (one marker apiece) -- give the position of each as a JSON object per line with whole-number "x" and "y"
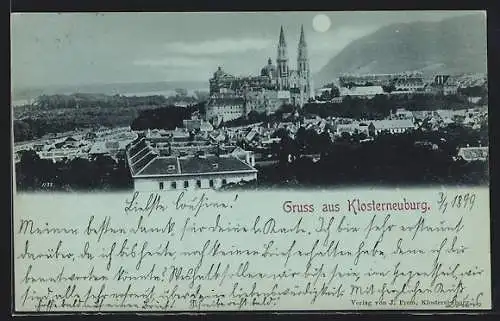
{"x": 233, "y": 97}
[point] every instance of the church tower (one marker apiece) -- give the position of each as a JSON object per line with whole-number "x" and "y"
{"x": 303, "y": 67}
{"x": 282, "y": 62}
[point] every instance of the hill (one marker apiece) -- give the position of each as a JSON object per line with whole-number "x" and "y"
{"x": 152, "y": 88}
{"x": 454, "y": 45}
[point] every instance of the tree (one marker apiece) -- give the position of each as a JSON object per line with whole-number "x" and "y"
{"x": 380, "y": 105}
{"x": 82, "y": 174}
{"x": 371, "y": 130}
{"x": 345, "y": 136}
{"x": 181, "y": 92}
{"x": 162, "y": 118}
{"x": 330, "y": 94}
{"x": 335, "y": 92}
{"x": 286, "y": 108}
{"x": 253, "y": 116}
{"x": 121, "y": 177}
{"x": 389, "y": 88}
{"x": 301, "y": 137}
{"x": 324, "y": 141}
{"x": 104, "y": 168}
{"x": 280, "y": 133}
{"x": 325, "y": 96}
{"x": 22, "y": 131}
{"x": 201, "y": 95}
{"x": 28, "y": 170}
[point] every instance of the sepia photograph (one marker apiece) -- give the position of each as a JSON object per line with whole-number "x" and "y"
{"x": 262, "y": 100}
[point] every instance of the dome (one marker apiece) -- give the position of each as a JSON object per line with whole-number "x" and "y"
{"x": 219, "y": 73}
{"x": 268, "y": 69}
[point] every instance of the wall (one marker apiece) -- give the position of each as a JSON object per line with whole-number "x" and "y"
{"x": 227, "y": 112}
{"x": 153, "y": 184}
{"x": 392, "y": 130}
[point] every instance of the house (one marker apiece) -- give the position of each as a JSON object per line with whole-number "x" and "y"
{"x": 320, "y": 91}
{"x": 271, "y": 140}
{"x": 71, "y": 141}
{"x": 352, "y": 128}
{"x": 68, "y": 142}
{"x": 192, "y": 124}
{"x": 409, "y": 84}
{"x": 38, "y": 147}
{"x": 450, "y": 87}
{"x": 473, "y": 153}
{"x": 367, "y": 92}
{"x": 474, "y": 100}
{"x": 225, "y": 108}
{"x": 402, "y": 113}
{"x": 22, "y": 147}
{"x": 421, "y": 114}
{"x": 245, "y": 155}
{"x": 206, "y": 126}
{"x": 218, "y": 137}
{"x": 61, "y": 154}
{"x": 108, "y": 147}
{"x": 154, "y": 172}
{"x": 393, "y": 126}
{"x": 432, "y": 89}
{"x": 251, "y": 135}
{"x": 90, "y": 135}
{"x": 162, "y": 133}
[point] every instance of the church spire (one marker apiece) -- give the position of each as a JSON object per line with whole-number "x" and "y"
{"x": 282, "y": 51}
{"x": 302, "y": 48}
{"x": 302, "y": 40}
{"x": 282, "y": 41}
{"x": 303, "y": 68}
{"x": 282, "y": 61}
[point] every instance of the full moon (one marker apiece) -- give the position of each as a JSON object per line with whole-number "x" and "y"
{"x": 321, "y": 23}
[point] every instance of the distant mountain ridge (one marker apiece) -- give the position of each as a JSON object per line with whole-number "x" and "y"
{"x": 453, "y": 45}
{"x": 109, "y": 89}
